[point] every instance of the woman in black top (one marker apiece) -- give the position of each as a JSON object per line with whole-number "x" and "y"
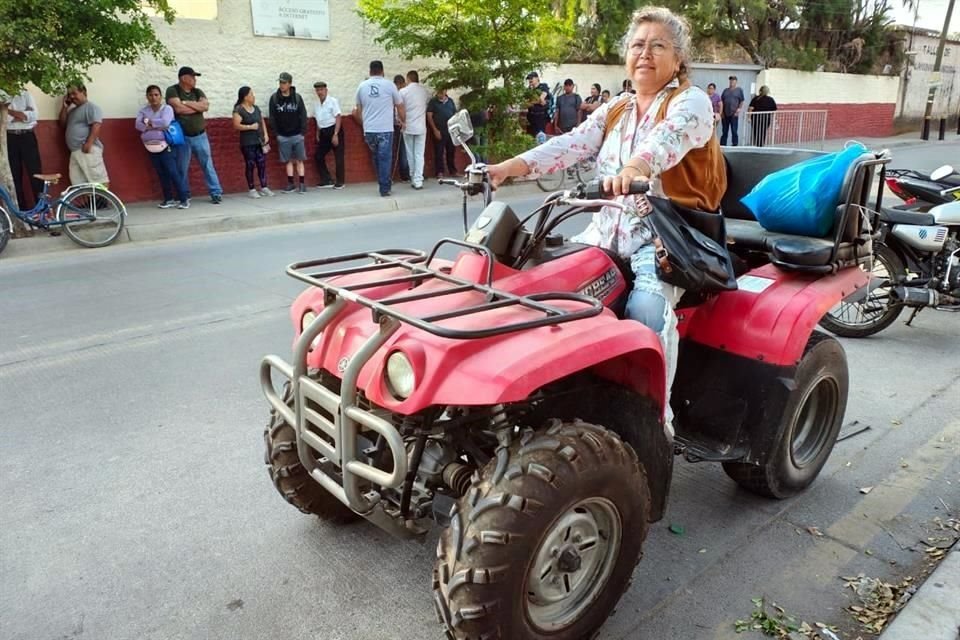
{"x": 760, "y": 122}
{"x": 254, "y": 139}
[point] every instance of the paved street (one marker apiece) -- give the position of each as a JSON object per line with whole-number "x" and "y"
{"x": 134, "y": 503}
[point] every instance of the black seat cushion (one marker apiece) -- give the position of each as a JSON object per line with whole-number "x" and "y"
{"x": 899, "y": 216}
{"x": 803, "y": 251}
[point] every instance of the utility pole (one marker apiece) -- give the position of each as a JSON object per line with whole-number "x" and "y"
{"x": 932, "y": 92}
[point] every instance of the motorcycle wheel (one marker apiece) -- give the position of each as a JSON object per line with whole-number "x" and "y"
{"x": 877, "y": 311}
{"x": 545, "y": 541}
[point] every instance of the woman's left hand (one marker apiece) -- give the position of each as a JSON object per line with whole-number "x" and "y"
{"x": 619, "y": 185}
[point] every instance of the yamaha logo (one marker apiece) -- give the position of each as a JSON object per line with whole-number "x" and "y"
{"x": 343, "y": 364}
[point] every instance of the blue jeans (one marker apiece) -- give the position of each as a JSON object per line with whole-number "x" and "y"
{"x": 199, "y": 145}
{"x": 171, "y": 180}
{"x": 730, "y": 124}
{"x": 381, "y": 148}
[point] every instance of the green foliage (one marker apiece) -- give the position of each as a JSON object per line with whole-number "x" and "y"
{"x": 484, "y": 49}
{"x": 598, "y": 27}
{"x": 54, "y": 42}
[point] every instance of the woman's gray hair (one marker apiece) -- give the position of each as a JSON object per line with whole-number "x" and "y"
{"x": 678, "y": 26}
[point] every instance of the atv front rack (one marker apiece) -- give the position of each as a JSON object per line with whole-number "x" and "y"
{"x": 331, "y": 434}
{"x": 418, "y": 265}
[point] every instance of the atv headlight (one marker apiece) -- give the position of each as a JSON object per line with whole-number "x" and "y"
{"x": 307, "y": 320}
{"x": 399, "y": 376}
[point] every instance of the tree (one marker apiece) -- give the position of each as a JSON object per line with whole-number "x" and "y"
{"x": 598, "y": 27}
{"x": 485, "y": 48}
{"x": 52, "y": 43}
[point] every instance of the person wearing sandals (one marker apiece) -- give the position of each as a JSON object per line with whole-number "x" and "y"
{"x": 152, "y": 121}
{"x": 254, "y": 140}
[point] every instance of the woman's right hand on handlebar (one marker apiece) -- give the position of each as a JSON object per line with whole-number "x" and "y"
{"x": 512, "y": 168}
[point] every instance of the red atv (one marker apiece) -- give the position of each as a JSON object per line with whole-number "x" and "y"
{"x": 503, "y": 396}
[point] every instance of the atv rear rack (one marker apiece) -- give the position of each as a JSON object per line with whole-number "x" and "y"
{"x": 418, "y": 265}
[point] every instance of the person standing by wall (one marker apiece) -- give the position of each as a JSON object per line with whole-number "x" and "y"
{"x": 152, "y": 121}
{"x": 329, "y": 136}
{"x": 254, "y": 137}
{"x": 189, "y": 104}
{"x": 439, "y": 112}
{"x": 288, "y": 117}
{"x": 399, "y": 149}
{"x": 82, "y": 120}
{"x": 592, "y": 102}
{"x": 539, "y": 108}
{"x": 715, "y": 101}
{"x": 22, "y": 149}
{"x": 416, "y": 98}
{"x": 567, "y": 116}
{"x": 761, "y": 109}
{"x": 732, "y": 98}
{"x": 376, "y": 99}
{"x": 605, "y": 96}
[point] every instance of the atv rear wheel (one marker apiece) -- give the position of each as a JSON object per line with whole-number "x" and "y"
{"x": 290, "y": 478}
{"x": 809, "y": 427}
{"x": 545, "y": 541}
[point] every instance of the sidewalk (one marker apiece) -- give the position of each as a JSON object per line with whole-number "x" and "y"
{"x": 903, "y": 140}
{"x": 145, "y": 222}
{"x": 933, "y": 613}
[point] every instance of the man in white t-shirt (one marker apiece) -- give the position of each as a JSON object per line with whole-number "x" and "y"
{"x": 329, "y": 136}
{"x": 415, "y": 100}
{"x": 377, "y": 98}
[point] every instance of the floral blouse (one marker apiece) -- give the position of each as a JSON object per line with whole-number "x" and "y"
{"x": 688, "y": 125}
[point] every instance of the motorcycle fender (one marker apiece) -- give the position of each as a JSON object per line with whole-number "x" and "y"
{"x": 772, "y": 314}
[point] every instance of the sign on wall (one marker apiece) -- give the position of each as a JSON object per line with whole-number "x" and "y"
{"x": 308, "y": 19}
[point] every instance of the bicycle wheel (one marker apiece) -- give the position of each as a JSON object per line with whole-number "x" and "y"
{"x": 551, "y": 182}
{"x": 6, "y": 228}
{"x": 877, "y": 310}
{"x": 586, "y": 170}
{"x": 92, "y": 216}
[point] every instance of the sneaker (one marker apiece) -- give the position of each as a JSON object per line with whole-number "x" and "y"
{"x": 303, "y": 188}
{"x": 184, "y": 205}
{"x": 216, "y": 199}
{"x": 325, "y": 185}
{"x": 266, "y": 193}
{"x": 253, "y": 193}
{"x": 417, "y": 186}
{"x": 167, "y": 204}
{"x": 440, "y": 176}
{"x": 385, "y": 195}
{"x": 338, "y": 187}
{"x": 290, "y": 188}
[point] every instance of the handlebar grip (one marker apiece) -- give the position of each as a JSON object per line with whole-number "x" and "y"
{"x": 594, "y": 189}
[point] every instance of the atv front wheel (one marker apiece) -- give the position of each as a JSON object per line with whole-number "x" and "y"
{"x": 290, "y": 478}
{"x": 809, "y": 426}
{"x": 545, "y": 541}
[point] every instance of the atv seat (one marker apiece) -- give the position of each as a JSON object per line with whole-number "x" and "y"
{"x": 850, "y": 242}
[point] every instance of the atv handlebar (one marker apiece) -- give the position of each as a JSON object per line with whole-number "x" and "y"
{"x": 594, "y": 189}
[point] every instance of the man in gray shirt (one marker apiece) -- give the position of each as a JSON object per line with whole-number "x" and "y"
{"x": 377, "y": 98}
{"x": 732, "y": 99}
{"x": 568, "y": 108}
{"x": 82, "y": 121}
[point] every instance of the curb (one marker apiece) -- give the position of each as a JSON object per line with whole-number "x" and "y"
{"x": 933, "y": 612}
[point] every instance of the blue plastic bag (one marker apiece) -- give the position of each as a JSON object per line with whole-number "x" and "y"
{"x": 802, "y": 198}
{"x": 174, "y": 134}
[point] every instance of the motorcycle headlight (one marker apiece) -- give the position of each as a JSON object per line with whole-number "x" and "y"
{"x": 400, "y": 377}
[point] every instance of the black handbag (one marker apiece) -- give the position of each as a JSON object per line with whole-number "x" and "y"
{"x": 690, "y": 248}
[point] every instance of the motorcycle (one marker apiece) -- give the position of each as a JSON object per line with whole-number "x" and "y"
{"x": 916, "y": 265}
{"x": 920, "y": 191}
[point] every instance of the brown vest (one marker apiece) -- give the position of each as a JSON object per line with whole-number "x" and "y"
{"x": 700, "y": 179}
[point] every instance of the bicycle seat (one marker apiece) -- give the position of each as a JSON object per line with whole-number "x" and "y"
{"x": 52, "y": 178}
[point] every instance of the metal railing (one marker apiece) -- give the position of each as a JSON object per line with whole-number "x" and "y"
{"x": 802, "y": 128}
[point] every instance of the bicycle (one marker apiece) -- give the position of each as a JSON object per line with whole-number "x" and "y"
{"x": 582, "y": 172}
{"x": 90, "y": 214}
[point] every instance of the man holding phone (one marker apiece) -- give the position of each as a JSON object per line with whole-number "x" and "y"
{"x": 82, "y": 120}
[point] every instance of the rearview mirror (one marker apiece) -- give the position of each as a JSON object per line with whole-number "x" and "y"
{"x": 939, "y": 174}
{"x": 460, "y": 127}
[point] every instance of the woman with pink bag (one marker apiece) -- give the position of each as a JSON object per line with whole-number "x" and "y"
{"x": 152, "y": 121}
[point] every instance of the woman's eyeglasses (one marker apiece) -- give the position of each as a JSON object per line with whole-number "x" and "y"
{"x": 655, "y": 47}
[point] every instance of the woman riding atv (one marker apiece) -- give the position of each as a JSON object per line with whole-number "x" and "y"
{"x": 664, "y": 134}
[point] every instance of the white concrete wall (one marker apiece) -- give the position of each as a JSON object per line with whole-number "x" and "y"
{"x": 228, "y": 55}
{"x": 792, "y": 87}
{"x": 919, "y": 72}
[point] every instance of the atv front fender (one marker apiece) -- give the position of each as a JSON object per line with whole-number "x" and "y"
{"x": 771, "y": 316}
